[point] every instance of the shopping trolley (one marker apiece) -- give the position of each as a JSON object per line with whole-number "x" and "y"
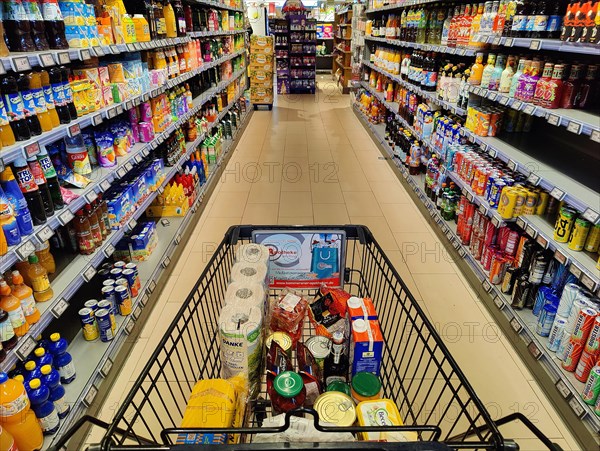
{"x": 417, "y": 372}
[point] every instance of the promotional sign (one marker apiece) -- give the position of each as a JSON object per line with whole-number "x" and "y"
{"x": 306, "y": 259}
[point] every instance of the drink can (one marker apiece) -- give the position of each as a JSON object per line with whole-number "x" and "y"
{"x": 123, "y": 300}
{"x": 91, "y": 304}
{"x": 123, "y": 281}
{"x": 104, "y": 274}
{"x": 567, "y": 298}
{"x": 573, "y": 352}
{"x": 131, "y": 280}
{"x": 586, "y": 363}
{"x": 495, "y": 123}
{"x": 104, "y": 325}
{"x": 592, "y": 345}
{"x": 88, "y": 324}
{"x": 116, "y": 273}
{"x": 579, "y": 235}
{"x": 109, "y": 283}
{"x": 507, "y": 203}
{"x": 508, "y": 282}
{"x": 497, "y": 269}
{"x": 564, "y": 224}
{"x": 538, "y": 268}
{"x": 520, "y": 293}
{"x": 320, "y": 347}
{"x": 134, "y": 267}
{"x": 108, "y": 293}
{"x": 545, "y": 321}
{"x": 486, "y": 259}
{"x": 530, "y": 202}
{"x": 593, "y": 239}
{"x": 591, "y": 390}
{"x": 556, "y": 333}
{"x": 520, "y": 204}
{"x": 107, "y": 305}
{"x": 496, "y": 193}
{"x": 597, "y": 407}
{"x": 540, "y": 300}
{"x": 564, "y": 341}
{"x": 583, "y": 324}
{"x": 120, "y": 264}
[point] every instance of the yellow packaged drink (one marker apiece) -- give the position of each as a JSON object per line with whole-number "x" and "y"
{"x": 382, "y": 412}
{"x": 542, "y": 204}
{"x": 578, "y": 236}
{"x": 531, "y": 202}
{"x": 593, "y": 239}
{"x": 521, "y": 198}
{"x": 564, "y": 225}
{"x": 508, "y": 201}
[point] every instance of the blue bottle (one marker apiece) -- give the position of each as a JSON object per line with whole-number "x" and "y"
{"x": 51, "y": 379}
{"x": 42, "y": 357}
{"x": 9, "y": 223}
{"x": 63, "y": 361}
{"x": 32, "y": 371}
{"x": 44, "y": 410}
{"x": 17, "y": 200}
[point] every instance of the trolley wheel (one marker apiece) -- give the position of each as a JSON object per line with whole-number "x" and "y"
{"x": 270, "y": 107}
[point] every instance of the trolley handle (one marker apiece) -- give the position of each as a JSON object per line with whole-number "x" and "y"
{"x": 435, "y": 431}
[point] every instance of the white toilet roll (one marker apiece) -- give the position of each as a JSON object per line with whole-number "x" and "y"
{"x": 252, "y": 253}
{"x": 246, "y": 294}
{"x": 249, "y": 273}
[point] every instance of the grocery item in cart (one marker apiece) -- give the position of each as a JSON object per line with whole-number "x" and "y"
{"x": 301, "y": 430}
{"x": 244, "y": 293}
{"x": 327, "y": 312}
{"x": 382, "y": 412}
{"x": 287, "y": 314}
{"x": 240, "y": 332}
{"x": 283, "y": 339}
{"x": 310, "y": 372}
{"x": 249, "y": 273}
{"x": 361, "y": 308}
{"x": 214, "y": 403}
{"x": 252, "y": 253}
{"x": 336, "y": 408}
{"x": 288, "y": 392}
{"x": 367, "y": 346}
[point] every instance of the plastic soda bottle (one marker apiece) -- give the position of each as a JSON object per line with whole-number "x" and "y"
{"x": 54, "y": 24}
{"x": 42, "y": 357}
{"x": 15, "y": 108}
{"x": 31, "y": 371}
{"x": 7, "y": 333}
{"x": 41, "y": 109}
{"x": 10, "y": 229}
{"x": 49, "y": 97}
{"x": 17, "y": 26}
{"x": 17, "y": 200}
{"x": 43, "y": 408}
{"x": 25, "y": 294}
{"x": 45, "y": 257}
{"x": 40, "y": 181}
{"x": 58, "y": 94}
{"x": 51, "y": 178}
{"x": 42, "y": 291}
{"x": 11, "y": 305}
{"x": 63, "y": 361}
{"x": 6, "y": 134}
{"x": 17, "y": 417}
{"x": 30, "y": 191}
{"x": 51, "y": 379}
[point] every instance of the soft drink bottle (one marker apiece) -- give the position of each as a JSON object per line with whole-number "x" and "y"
{"x": 54, "y": 25}
{"x": 68, "y": 91}
{"x": 30, "y": 191}
{"x": 41, "y": 356}
{"x": 3, "y": 48}
{"x": 25, "y": 294}
{"x": 40, "y": 180}
{"x": 51, "y": 379}
{"x": 51, "y": 178}
{"x": 31, "y": 371}
{"x": 15, "y": 108}
{"x": 6, "y": 134}
{"x": 49, "y": 97}
{"x": 42, "y": 290}
{"x": 43, "y": 408}
{"x": 17, "y": 200}
{"x": 17, "y": 26}
{"x": 29, "y": 105}
{"x": 16, "y": 415}
{"x": 63, "y": 361}
{"x": 11, "y": 305}
{"x": 58, "y": 94}
{"x": 38, "y": 32}
{"x": 41, "y": 108}
{"x": 8, "y": 222}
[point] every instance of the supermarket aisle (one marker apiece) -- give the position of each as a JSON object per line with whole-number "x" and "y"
{"x": 310, "y": 161}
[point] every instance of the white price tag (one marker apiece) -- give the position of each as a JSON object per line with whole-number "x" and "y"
{"x": 533, "y": 179}
{"x": 553, "y": 119}
{"x": 509, "y": 42}
{"x": 529, "y": 109}
{"x": 131, "y": 47}
{"x": 25, "y": 250}
{"x": 483, "y": 210}
{"x": 512, "y": 165}
{"x": 517, "y": 105}
{"x": 91, "y": 196}
{"x": 132, "y": 223}
{"x": 563, "y": 389}
{"x": 64, "y": 58}
{"x": 534, "y": 350}
{"x": 531, "y": 231}
{"x": 590, "y": 215}
{"x": 587, "y": 281}
{"x": 84, "y": 54}
{"x": 20, "y": 63}
{"x": 111, "y": 112}
{"x": 496, "y": 222}
{"x": 106, "y": 367}
{"x": 504, "y": 100}
{"x": 595, "y": 136}
{"x": 105, "y": 185}
{"x": 574, "y": 127}
{"x": 31, "y": 150}
{"x": 128, "y": 167}
{"x": 496, "y": 40}
{"x": 151, "y": 286}
{"x": 462, "y": 253}
{"x": 492, "y": 96}
{"x": 469, "y": 196}
{"x": 60, "y": 308}
{"x": 47, "y": 60}
{"x": 65, "y": 217}
{"x": 114, "y": 49}
{"x": 27, "y": 346}
{"x": 128, "y": 105}
{"x": 97, "y": 119}
{"x": 73, "y": 130}
{"x": 521, "y": 223}
{"x": 121, "y": 172}
{"x": 498, "y": 302}
{"x": 557, "y": 193}
{"x": 144, "y": 299}
{"x": 89, "y": 397}
{"x": 560, "y": 257}
{"x": 514, "y": 323}
{"x": 166, "y": 262}
{"x": 109, "y": 250}
{"x": 535, "y": 44}
{"x": 99, "y": 51}
{"x": 577, "y": 407}
{"x": 44, "y": 234}
{"x": 119, "y": 109}
{"x": 136, "y": 313}
{"x": 138, "y": 159}
{"x": 129, "y": 326}
{"x": 492, "y": 152}
{"x": 486, "y": 286}
{"x": 542, "y": 241}
{"x": 575, "y": 270}
{"x": 89, "y": 273}
{"x": 177, "y": 238}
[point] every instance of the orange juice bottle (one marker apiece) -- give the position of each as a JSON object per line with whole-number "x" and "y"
{"x": 170, "y": 22}
{"x": 7, "y": 441}
{"x": 6, "y": 134}
{"x": 23, "y": 268}
{"x": 11, "y": 305}
{"x": 45, "y": 257}
{"x": 17, "y": 417}
{"x": 25, "y": 294}
{"x": 42, "y": 291}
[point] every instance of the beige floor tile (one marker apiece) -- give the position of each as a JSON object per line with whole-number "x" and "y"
{"x": 380, "y": 230}
{"x": 212, "y": 233}
{"x": 295, "y": 220}
{"x": 361, "y": 203}
{"x": 260, "y": 214}
{"x": 390, "y": 192}
{"x": 330, "y": 214}
{"x": 424, "y": 254}
{"x": 327, "y": 193}
{"x": 265, "y": 192}
{"x": 230, "y": 205}
{"x": 353, "y": 181}
{"x": 295, "y": 204}
{"x": 404, "y": 218}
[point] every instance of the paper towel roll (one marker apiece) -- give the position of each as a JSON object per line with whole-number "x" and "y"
{"x": 240, "y": 333}
{"x": 248, "y": 294}
{"x": 249, "y": 273}
{"x": 252, "y": 253}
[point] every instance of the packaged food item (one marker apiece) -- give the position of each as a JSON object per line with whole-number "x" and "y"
{"x": 287, "y": 314}
{"x": 327, "y": 313}
{"x": 365, "y": 387}
{"x": 310, "y": 372}
{"x": 367, "y": 346}
{"x": 361, "y": 308}
{"x": 104, "y": 148}
{"x": 288, "y": 392}
{"x": 301, "y": 430}
{"x": 382, "y": 412}
{"x": 336, "y": 408}
{"x": 281, "y": 338}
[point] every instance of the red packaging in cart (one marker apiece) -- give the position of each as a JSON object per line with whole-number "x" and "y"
{"x": 367, "y": 346}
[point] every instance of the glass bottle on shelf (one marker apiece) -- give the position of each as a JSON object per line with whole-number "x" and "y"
{"x": 571, "y": 87}
{"x": 487, "y": 70}
{"x": 507, "y": 75}
{"x": 588, "y": 92}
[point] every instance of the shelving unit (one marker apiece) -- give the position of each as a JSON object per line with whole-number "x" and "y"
{"x": 303, "y": 51}
{"x": 342, "y": 48}
{"x": 278, "y": 28}
{"x": 527, "y": 154}
{"x": 324, "y": 62}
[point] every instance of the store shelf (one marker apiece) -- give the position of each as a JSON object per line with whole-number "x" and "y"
{"x": 208, "y": 34}
{"x": 10, "y": 153}
{"x": 425, "y": 47}
{"x": 575, "y": 121}
{"x": 342, "y": 50}
{"x": 523, "y": 322}
{"x": 342, "y": 65}
{"x": 540, "y": 44}
{"x": 82, "y": 267}
{"x": 219, "y": 5}
{"x": 399, "y": 6}
{"x": 427, "y": 95}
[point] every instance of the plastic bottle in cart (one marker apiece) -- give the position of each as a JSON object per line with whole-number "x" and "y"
{"x": 51, "y": 379}
{"x": 51, "y": 178}
{"x": 44, "y": 409}
{"x": 48, "y": 96}
{"x": 15, "y": 108}
{"x": 25, "y": 295}
{"x": 17, "y": 417}
{"x": 29, "y": 105}
{"x": 40, "y": 181}
{"x": 63, "y": 361}
{"x": 17, "y": 200}
{"x": 30, "y": 191}
{"x": 42, "y": 291}
{"x": 10, "y": 228}
{"x": 11, "y": 305}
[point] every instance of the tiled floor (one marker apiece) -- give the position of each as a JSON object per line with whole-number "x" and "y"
{"x": 310, "y": 161}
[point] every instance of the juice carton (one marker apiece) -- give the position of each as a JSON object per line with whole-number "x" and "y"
{"x": 366, "y": 347}
{"x": 361, "y": 308}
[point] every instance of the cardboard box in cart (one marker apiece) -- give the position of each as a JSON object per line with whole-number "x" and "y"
{"x": 261, "y": 44}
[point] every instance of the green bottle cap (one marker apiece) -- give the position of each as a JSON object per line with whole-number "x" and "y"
{"x": 339, "y": 386}
{"x": 288, "y": 384}
{"x": 366, "y": 384}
